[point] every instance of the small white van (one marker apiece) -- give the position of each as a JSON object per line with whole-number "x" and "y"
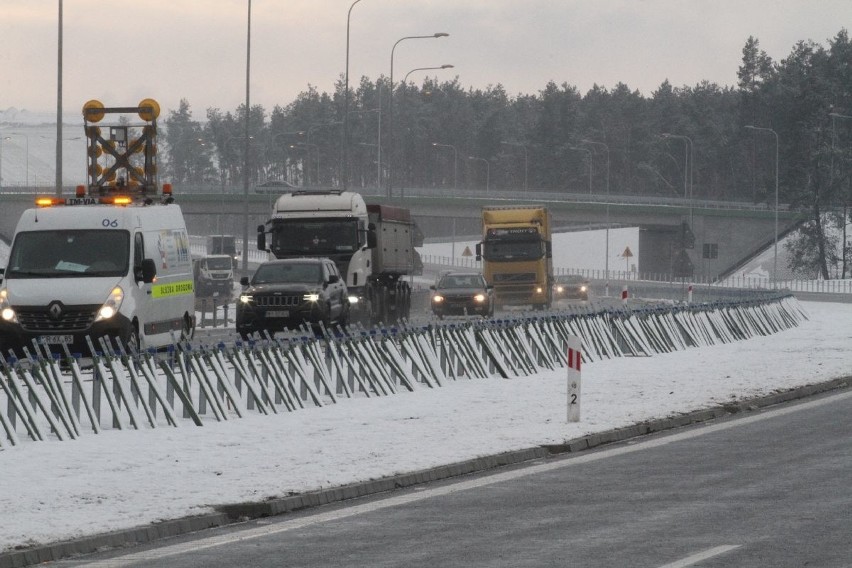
{"x": 81, "y": 267}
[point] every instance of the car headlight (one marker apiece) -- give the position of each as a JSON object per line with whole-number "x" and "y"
{"x": 437, "y": 298}
{"x": 246, "y": 298}
{"x": 353, "y": 299}
{"x": 112, "y": 304}
{"x": 479, "y": 298}
{"x": 582, "y": 288}
{"x": 560, "y": 289}
{"x": 6, "y": 311}
{"x": 312, "y": 297}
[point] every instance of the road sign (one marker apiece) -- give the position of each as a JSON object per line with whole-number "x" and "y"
{"x": 627, "y": 252}
{"x": 467, "y": 252}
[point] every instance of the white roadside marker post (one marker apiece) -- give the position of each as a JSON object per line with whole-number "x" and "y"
{"x": 624, "y": 295}
{"x": 575, "y": 359}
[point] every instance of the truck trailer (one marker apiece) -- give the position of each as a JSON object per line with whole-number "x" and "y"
{"x": 373, "y": 246}
{"x": 516, "y": 255}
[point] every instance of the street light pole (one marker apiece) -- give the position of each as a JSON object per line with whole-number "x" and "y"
{"x": 487, "y": 170}
{"x": 246, "y": 173}
{"x": 455, "y": 161}
{"x": 606, "y": 262}
{"x": 777, "y": 144}
{"x": 345, "y": 173}
{"x": 688, "y": 168}
{"x": 834, "y": 115}
{"x": 390, "y": 105}
{"x": 59, "y": 106}
{"x": 590, "y": 163}
{"x": 526, "y": 160}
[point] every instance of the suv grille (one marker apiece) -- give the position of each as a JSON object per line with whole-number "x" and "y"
{"x": 77, "y": 318}
{"x": 276, "y": 301}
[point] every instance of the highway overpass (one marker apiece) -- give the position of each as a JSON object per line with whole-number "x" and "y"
{"x": 725, "y": 233}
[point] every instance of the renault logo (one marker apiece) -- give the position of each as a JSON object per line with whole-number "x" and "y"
{"x": 55, "y": 311}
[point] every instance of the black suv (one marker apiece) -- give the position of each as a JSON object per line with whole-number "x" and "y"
{"x": 462, "y": 294}
{"x": 284, "y": 294}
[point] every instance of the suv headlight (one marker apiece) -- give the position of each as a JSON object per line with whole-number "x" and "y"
{"x": 312, "y": 297}
{"x": 437, "y": 298}
{"x": 479, "y": 298}
{"x": 246, "y": 298}
{"x": 112, "y": 304}
{"x": 6, "y": 311}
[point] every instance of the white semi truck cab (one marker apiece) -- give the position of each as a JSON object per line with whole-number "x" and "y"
{"x": 372, "y": 246}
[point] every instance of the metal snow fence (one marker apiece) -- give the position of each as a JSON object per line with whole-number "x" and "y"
{"x": 48, "y": 396}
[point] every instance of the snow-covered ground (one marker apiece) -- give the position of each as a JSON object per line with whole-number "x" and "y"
{"x": 118, "y": 479}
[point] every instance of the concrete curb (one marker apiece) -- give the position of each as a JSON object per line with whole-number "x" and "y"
{"x": 239, "y": 512}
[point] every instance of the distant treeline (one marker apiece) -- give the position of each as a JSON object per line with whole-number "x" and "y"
{"x": 678, "y": 141}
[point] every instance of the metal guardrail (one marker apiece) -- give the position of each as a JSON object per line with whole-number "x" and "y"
{"x": 52, "y": 396}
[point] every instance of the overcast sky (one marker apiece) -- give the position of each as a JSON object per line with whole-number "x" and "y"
{"x": 122, "y": 52}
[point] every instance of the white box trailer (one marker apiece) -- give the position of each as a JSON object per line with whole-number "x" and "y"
{"x": 88, "y": 268}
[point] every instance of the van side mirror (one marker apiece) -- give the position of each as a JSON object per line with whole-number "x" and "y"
{"x": 2, "y": 272}
{"x": 478, "y": 252}
{"x": 149, "y": 270}
{"x": 333, "y": 279}
{"x": 261, "y": 237}
{"x": 244, "y": 281}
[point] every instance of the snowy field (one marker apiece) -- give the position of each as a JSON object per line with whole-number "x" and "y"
{"x": 119, "y": 479}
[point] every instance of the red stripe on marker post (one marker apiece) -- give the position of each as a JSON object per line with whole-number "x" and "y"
{"x": 575, "y": 362}
{"x": 624, "y": 295}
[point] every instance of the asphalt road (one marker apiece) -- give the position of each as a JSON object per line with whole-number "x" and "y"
{"x": 771, "y": 488}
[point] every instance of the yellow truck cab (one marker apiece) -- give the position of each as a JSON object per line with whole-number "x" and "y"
{"x": 516, "y": 255}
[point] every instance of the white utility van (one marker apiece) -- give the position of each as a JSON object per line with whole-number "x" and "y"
{"x": 85, "y": 267}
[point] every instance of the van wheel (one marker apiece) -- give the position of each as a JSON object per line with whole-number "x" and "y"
{"x": 187, "y": 332}
{"x": 131, "y": 341}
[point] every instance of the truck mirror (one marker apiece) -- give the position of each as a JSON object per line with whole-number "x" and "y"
{"x": 548, "y": 249}
{"x": 149, "y": 270}
{"x": 372, "y": 241}
{"x": 478, "y": 252}
{"x": 2, "y": 272}
{"x": 261, "y": 237}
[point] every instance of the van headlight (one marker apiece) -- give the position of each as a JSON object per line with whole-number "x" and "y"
{"x": 112, "y": 304}
{"x": 6, "y": 311}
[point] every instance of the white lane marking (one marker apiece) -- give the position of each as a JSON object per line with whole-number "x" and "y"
{"x": 696, "y": 558}
{"x": 284, "y": 526}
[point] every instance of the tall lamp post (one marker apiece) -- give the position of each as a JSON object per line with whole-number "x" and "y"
{"x": 526, "y": 160}
{"x": 59, "y": 105}
{"x": 688, "y": 166}
{"x": 246, "y": 171}
{"x": 834, "y": 115}
{"x": 390, "y": 103}
{"x": 581, "y": 149}
{"x": 775, "y": 261}
{"x": 487, "y": 170}
{"x": 606, "y": 262}
{"x": 455, "y": 161}
{"x": 345, "y": 173}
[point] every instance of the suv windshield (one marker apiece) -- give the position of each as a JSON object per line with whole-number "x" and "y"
{"x": 462, "y": 281}
{"x": 295, "y": 273}
{"x": 60, "y": 254}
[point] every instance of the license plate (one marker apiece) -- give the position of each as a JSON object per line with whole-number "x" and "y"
{"x": 278, "y": 314}
{"x": 57, "y": 339}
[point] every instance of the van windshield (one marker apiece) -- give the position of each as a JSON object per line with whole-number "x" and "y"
{"x": 77, "y": 253}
